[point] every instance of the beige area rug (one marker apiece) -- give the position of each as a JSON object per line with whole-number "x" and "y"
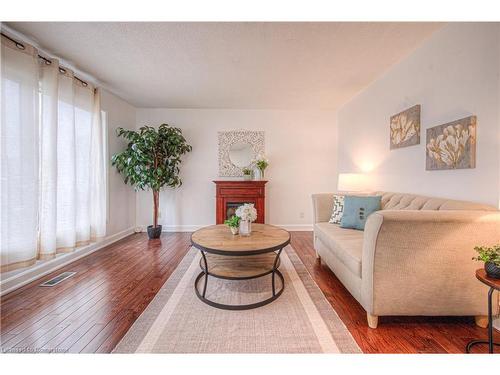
{"x": 300, "y": 321}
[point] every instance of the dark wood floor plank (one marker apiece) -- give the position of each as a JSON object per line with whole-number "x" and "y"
{"x": 136, "y": 290}
{"x": 60, "y": 296}
{"x": 82, "y": 306}
{"x": 93, "y": 310}
{"x": 81, "y": 266}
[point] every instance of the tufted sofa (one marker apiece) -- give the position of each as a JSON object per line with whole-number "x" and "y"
{"x": 414, "y": 256}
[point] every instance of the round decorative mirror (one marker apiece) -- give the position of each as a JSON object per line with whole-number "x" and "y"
{"x": 237, "y": 149}
{"x": 241, "y": 154}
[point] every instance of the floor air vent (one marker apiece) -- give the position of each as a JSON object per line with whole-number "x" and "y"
{"x": 58, "y": 279}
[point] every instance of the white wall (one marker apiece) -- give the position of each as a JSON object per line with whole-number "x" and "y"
{"x": 452, "y": 75}
{"x": 300, "y": 146}
{"x": 121, "y": 198}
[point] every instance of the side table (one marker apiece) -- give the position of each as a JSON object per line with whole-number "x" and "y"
{"x": 494, "y": 284}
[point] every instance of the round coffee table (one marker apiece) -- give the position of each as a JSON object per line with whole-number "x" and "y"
{"x": 234, "y": 257}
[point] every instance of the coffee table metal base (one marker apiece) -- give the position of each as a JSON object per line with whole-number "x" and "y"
{"x": 240, "y": 275}
{"x": 238, "y": 307}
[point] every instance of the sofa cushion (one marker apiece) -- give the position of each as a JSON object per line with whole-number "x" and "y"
{"x": 346, "y": 244}
{"x": 401, "y": 201}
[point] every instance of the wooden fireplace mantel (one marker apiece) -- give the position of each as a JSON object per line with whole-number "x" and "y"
{"x": 228, "y": 192}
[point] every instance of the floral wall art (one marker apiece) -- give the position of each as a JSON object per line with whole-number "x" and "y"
{"x": 452, "y": 145}
{"x": 405, "y": 128}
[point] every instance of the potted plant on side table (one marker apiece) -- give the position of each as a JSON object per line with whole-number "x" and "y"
{"x": 151, "y": 161}
{"x": 491, "y": 258}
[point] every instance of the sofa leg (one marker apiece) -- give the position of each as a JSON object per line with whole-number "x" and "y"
{"x": 481, "y": 321}
{"x": 372, "y": 320}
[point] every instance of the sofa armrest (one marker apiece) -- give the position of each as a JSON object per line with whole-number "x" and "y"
{"x": 322, "y": 207}
{"x": 419, "y": 262}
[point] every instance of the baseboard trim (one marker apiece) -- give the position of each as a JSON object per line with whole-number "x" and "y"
{"x": 192, "y": 228}
{"x": 44, "y": 268}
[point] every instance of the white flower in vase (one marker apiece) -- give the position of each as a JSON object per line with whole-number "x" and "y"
{"x": 247, "y": 214}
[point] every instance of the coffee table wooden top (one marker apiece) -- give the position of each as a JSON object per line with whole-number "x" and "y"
{"x": 218, "y": 239}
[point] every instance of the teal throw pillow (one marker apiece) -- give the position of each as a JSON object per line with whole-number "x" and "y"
{"x": 357, "y": 209}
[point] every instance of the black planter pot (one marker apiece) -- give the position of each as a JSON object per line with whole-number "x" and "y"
{"x": 492, "y": 270}
{"x": 154, "y": 232}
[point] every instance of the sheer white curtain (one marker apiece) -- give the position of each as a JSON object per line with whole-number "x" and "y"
{"x": 69, "y": 179}
{"x": 73, "y": 180}
{"x": 48, "y": 158}
{"x": 98, "y": 181}
{"x": 19, "y": 156}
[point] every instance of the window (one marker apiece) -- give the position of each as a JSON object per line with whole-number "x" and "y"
{"x": 53, "y": 168}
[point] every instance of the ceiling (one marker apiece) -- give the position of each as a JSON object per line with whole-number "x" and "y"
{"x": 231, "y": 65}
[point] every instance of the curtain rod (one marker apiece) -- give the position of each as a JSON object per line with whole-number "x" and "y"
{"x": 46, "y": 60}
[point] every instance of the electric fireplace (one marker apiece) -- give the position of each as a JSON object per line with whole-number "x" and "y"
{"x": 232, "y": 194}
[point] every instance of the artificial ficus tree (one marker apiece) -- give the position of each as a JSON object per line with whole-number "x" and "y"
{"x": 152, "y": 159}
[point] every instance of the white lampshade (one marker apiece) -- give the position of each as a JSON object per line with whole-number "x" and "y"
{"x": 352, "y": 182}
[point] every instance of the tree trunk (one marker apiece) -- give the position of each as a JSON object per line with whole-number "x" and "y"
{"x": 156, "y": 206}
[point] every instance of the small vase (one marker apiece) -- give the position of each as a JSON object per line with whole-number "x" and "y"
{"x": 258, "y": 175}
{"x": 492, "y": 270}
{"x": 245, "y": 227}
{"x": 234, "y": 230}
{"x": 247, "y": 177}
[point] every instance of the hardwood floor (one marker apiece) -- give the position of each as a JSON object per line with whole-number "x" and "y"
{"x": 91, "y": 311}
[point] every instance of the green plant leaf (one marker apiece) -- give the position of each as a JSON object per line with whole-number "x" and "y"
{"x": 488, "y": 254}
{"x": 152, "y": 157}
